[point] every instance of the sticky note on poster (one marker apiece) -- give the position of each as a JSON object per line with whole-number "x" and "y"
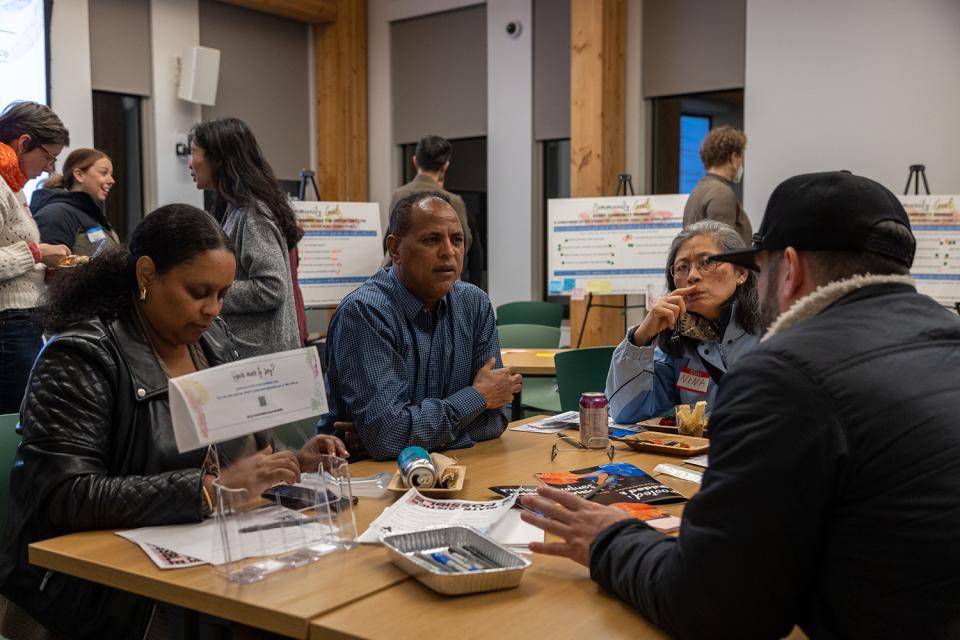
{"x": 599, "y": 286}
{"x": 578, "y": 294}
{"x": 555, "y": 287}
{"x": 569, "y": 284}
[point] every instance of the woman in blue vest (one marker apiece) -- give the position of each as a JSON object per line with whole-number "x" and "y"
{"x": 692, "y": 335}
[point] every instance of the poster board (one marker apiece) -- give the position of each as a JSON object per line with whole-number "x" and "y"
{"x": 340, "y": 249}
{"x": 615, "y": 245}
{"x": 936, "y": 225}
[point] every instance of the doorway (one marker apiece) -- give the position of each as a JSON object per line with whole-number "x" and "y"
{"x": 467, "y": 178}
{"x": 679, "y": 126}
{"x": 117, "y": 130}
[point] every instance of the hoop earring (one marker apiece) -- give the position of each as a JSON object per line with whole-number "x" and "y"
{"x": 143, "y": 293}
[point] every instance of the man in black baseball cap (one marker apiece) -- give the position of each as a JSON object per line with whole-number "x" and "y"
{"x": 831, "y": 497}
{"x": 840, "y": 223}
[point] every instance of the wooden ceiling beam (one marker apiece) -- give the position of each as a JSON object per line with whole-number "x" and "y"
{"x": 309, "y": 11}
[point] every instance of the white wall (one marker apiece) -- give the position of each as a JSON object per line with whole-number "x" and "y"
{"x": 866, "y": 85}
{"x": 70, "y": 83}
{"x": 509, "y": 132}
{"x": 510, "y": 152}
{"x": 383, "y": 168}
{"x": 174, "y": 25}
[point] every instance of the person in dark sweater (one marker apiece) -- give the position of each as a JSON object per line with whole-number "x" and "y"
{"x": 832, "y": 499}
{"x": 69, "y": 208}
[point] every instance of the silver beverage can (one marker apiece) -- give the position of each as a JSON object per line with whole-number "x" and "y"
{"x": 416, "y": 467}
{"x": 593, "y": 419}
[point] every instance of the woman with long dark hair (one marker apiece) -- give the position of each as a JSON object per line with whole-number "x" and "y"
{"x": 98, "y": 449}
{"x": 257, "y": 217}
{"x": 692, "y": 335}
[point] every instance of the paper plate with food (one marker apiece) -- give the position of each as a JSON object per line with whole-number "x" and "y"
{"x": 669, "y": 444}
{"x": 681, "y": 420}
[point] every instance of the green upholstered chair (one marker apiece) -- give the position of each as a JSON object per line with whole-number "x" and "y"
{"x": 528, "y": 336}
{"x": 9, "y": 441}
{"x": 539, "y": 393}
{"x": 581, "y": 370}
{"x": 549, "y": 314}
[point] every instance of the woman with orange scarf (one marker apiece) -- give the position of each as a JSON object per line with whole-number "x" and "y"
{"x": 31, "y": 138}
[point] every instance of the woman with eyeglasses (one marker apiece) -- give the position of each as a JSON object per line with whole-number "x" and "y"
{"x": 261, "y": 308}
{"x": 692, "y": 335}
{"x": 31, "y": 138}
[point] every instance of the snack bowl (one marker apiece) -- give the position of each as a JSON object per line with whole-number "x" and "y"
{"x": 405, "y": 550}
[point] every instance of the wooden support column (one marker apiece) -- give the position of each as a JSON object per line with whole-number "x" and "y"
{"x": 598, "y": 50}
{"x": 341, "y": 67}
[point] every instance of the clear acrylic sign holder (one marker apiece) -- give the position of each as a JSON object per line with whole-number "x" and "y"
{"x": 257, "y": 537}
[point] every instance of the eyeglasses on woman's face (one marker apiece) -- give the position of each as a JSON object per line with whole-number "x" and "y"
{"x": 51, "y": 158}
{"x": 681, "y": 270}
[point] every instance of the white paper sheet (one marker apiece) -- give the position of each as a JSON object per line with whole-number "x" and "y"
{"x": 561, "y": 421}
{"x": 699, "y": 461}
{"x": 414, "y": 511}
{"x": 552, "y": 424}
{"x": 200, "y": 541}
{"x": 514, "y": 532}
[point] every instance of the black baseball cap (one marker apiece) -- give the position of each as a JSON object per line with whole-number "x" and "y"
{"x": 829, "y": 211}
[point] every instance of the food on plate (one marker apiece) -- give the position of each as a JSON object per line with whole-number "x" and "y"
{"x": 692, "y": 422}
{"x": 72, "y": 260}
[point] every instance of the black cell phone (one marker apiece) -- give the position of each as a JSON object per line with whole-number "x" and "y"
{"x": 294, "y": 497}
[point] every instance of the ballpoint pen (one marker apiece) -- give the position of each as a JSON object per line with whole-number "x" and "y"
{"x": 606, "y": 484}
{"x": 280, "y": 523}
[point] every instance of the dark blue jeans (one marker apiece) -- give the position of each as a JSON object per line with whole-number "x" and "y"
{"x": 20, "y": 342}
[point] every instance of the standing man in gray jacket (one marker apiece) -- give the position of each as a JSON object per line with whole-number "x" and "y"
{"x": 432, "y": 161}
{"x": 714, "y": 198}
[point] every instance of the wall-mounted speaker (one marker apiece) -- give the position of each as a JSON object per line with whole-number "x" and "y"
{"x": 199, "y": 73}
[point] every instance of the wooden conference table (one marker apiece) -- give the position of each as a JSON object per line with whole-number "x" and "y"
{"x": 528, "y": 362}
{"x": 361, "y": 594}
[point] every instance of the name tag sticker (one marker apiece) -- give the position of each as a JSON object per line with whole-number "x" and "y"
{"x": 693, "y": 380}
{"x": 95, "y": 234}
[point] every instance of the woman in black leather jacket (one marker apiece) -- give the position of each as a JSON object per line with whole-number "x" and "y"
{"x": 98, "y": 449}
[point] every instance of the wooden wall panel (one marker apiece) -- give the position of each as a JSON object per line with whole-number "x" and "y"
{"x": 309, "y": 11}
{"x": 598, "y": 50}
{"x": 341, "y": 67}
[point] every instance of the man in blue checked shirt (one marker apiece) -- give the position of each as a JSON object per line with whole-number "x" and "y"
{"x": 413, "y": 356}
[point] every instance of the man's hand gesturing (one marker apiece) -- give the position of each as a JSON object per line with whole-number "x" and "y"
{"x": 497, "y": 386}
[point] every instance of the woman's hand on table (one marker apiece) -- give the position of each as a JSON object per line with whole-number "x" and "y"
{"x": 309, "y": 455}
{"x": 574, "y": 519}
{"x": 663, "y": 315}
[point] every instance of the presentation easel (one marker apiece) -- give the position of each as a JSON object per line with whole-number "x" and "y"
{"x": 624, "y": 183}
{"x": 917, "y": 171}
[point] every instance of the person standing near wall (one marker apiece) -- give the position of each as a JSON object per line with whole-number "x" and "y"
{"x": 69, "y": 208}
{"x": 257, "y": 217}
{"x": 432, "y": 161}
{"x": 714, "y": 198}
{"x": 31, "y": 138}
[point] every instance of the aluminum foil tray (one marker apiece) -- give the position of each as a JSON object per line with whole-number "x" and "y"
{"x": 405, "y": 549}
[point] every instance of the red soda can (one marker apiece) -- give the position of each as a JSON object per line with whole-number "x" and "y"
{"x": 593, "y": 419}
